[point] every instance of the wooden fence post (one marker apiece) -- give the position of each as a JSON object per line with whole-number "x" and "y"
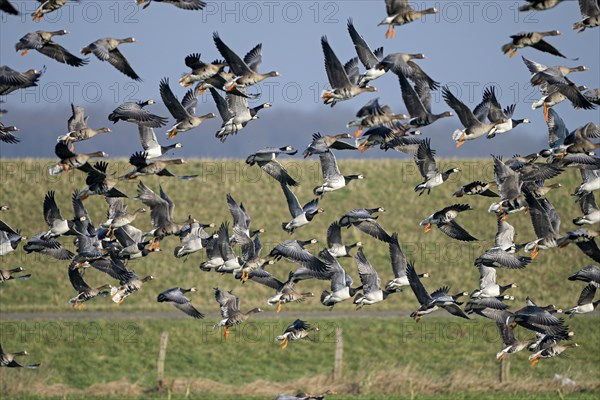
{"x": 339, "y": 355}
{"x": 162, "y": 352}
{"x": 505, "y": 369}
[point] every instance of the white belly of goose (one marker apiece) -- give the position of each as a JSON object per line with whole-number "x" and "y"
{"x": 337, "y": 250}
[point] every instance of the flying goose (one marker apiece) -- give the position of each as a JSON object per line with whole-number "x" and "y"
{"x": 539, "y": 5}
{"x": 161, "y": 213}
{"x": 487, "y": 283}
{"x": 106, "y": 50}
{"x": 541, "y": 73}
{"x": 532, "y": 39}
{"x": 43, "y": 43}
{"x": 476, "y": 188}
{"x": 363, "y": 220}
{"x": 553, "y": 94}
{"x": 184, "y": 112}
{"x": 130, "y": 283}
{"x": 176, "y": 296}
{"x": 296, "y": 331}
{"x": 591, "y": 213}
{"x": 58, "y": 225}
{"x": 322, "y": 144}
{"x": 590, "y": 15}
{"x": 201, "y": 71}
{"x": 427, "y": 167}
{"x": 444, "y": 219}
{"x": 191, "y": 5}
{"x": 196, "y": 240}
{"x": 400, "y": 12}
{"x": 246, "y": 70}
{"x": 586, "y": 303}
{"x": 473, "y": 127}
{"x": 8, "y": 8}
{"x": 85, "y": 292}
{"x": 9, "y": 238}
{"x": 230, "y": 311}
{"x": 538, "y": 319}
{"x": 234, "y": 112}
{"x": 342, "y": 88}
{"x": 545, "y": 221}
{"x": 45, "y": 7}
{"x": 334, "y": 180}
{"x": 370, "y": 59}
{"x": 8, "y": 359}
{"x": 398, "y": 261}
{"x": 584, "y": 239}
{"x": 8, "y": 274}
{"x": 341, "y": 282}
{"x": 418, "y": 102}
{"x": 335, "y": 246}
{"x": 371, "y": 283}
{"x": 550, "y": 352}
{"x": 431, "y": 302}
{"x": 241, "y": 218}
{"x": 51, "y": 247}
{"x": 589, "y": 274}
{"x": 251, "y": 249}
{"x": 285, "y": 292}
{"x": 301, "y": 215}
{"x": 510, "y": 341}
{"x": 491, "y": 109}
{"x": 100, "y": 182}
{"x": 267, "y": 161}
{"x": 135, "y": 112}
{"x": 402, "y": 63}
{"x": 70, "y": 160}
{"x": 144, "y": 167}
{"x": 6, "y": 136}
{"x": 11, "y": 80}
{"x": 150, "y": 144}
{"x": 373, "y": 114}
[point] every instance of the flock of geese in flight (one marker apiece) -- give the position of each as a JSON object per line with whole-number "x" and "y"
{"x": 518, "y": 184}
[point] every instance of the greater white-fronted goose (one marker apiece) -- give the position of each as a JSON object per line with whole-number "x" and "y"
{"x": 45, "y": 7}
{"x": 538, "y": 319}
{"x": 584, "y": 239}
{"x": 554, "y": 75}
{"x": 11, "y": 80}
{"x": 43, "y": 43}
{"x": 85, "y": 292}
{"x": 150, "y": 144}
{"x": 550, "y": 352}
{"x": 230, "y": 311}
{"x": 51, "y": 247}
{"x": 586, "y": 303}
{"x": 58, "y": 225}
{"x": 400, "y": 12}
{"x": 497, "y": 257}
{"x": 135, "y": 112}
{"x": 195, "y": 240}
{"x": 491, "y": 109}
{"x": 184, "y": 112}
{"x": 473, "y": 127}
{"x": 592, "y": 95}
{"x": 590, "y": 15}
{"x": 335, "y": 246}
{"x": 161, "y": 213}
{"x": 373, "y": 114}
{"x": 201, "y": 71}
{"x": 132, "y": 245}
{"x": 510, "y": 342}
{"x": 192, "y": 5}
{"x": 8, "y": 359}
{"x": 342, "y": 88}
{"x": 246, "y": 70}
{"x": 81, "y": 135}
{"x": 402, "y": 63}
{"x": 241, "y": 218}
{"x": 553, "y": 94}
{"x": 176, "y": 296}
{"x": 334, "y": 180}
{"x": 590, "y": 181}
{"x": 427, "y": 167}
{"x": 100, "y": 182}
{"x": 267, "y": 161}
{"x": 6, "y": 136}
{"x": 9, "y": 274}
{"x": 372, "y": 292}
{"x": 476, "y": 188}
{"x": 398, "y": 262}
{"x": 70, "y": 160}
{"x": 251, "y": 249}
{"x": 130, "y": 283}
{"x": 7, "y": 7}
{"x": 418, "y": 102}
{"x": 370, "y": 59}
{"x": 234, "y": 112}
{"x": 106, "y": 50}
{"x": 285, "y": 292}
{"x": 444, "y": 219}
{"x": 322, "y": 144}
{"x": 539, "y": 5}
{"x": 296, "y": 331}
{"x": 591, "y": 213}
{"x": 531, "y": 39}
{"x": 364, "y": 221}
{"x": 144, "y": 167}
{"x": 301, "y": 215}
{"x": 589, "y": 274}
{"x": 432, "y": 302}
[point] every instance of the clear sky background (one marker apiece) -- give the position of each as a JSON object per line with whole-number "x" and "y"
{"x": 462, "y": 43}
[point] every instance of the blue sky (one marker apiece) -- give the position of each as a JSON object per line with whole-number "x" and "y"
{"x": 462, "y": 43}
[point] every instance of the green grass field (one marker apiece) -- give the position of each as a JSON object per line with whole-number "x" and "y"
{"x": 383, "y": 356}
